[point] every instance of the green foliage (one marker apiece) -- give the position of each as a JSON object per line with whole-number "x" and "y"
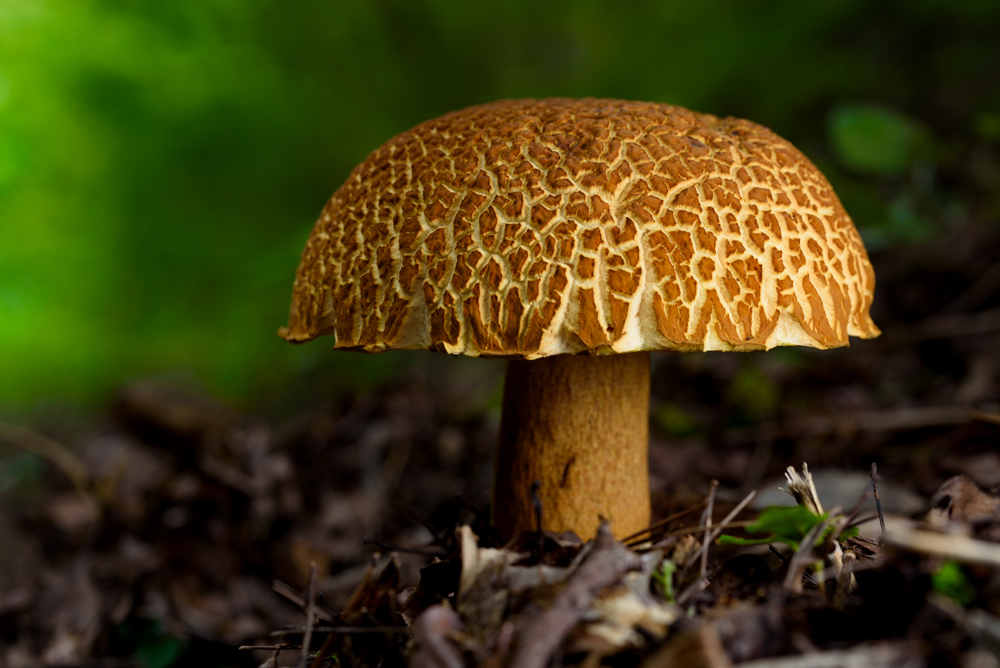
{"x": 157, "y": 182}
{"x": 949, "y": 580}
{"x": 664, "y": 575}
{"x": 785, "y": 524}
{"x": 754, "y": 392}
{"x": 674, "y": 422}
{"x": 987, "y": 126}
{"x": 149, "y": 643}
{"x": 782, "y": 524}
{"x": 871, "y": 139}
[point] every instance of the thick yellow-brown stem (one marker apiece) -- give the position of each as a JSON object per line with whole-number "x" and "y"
{"x": 580, "y": 426}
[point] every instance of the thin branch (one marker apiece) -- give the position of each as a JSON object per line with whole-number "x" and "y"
{"x": 385, "y": 630}
{"x": 949, "y": 546}
{"x": 878, "y": 504}
{"x": 683, "y": 531}
{"x": 984, "y": 416}
{"x": 708, "y": 529}
{"x": 725, "y": 523}
{"x": 296, "y": 598}
{"x": 420, "y": 551}
{"x": 310, "y": 612}
{"x": 660, "y": 523}
{"x": 796, "y": 568}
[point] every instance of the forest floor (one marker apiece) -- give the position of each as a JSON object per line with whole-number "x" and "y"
{"x": 174, "y": 530}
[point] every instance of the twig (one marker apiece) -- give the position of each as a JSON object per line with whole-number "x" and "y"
{"x": 683, "y": 531}
{"x": 777, "y": 552}
{"x": 788, "y": 561}
{"x": 950, "y": 546}
{"x": 420, "y": 551}
{"x": 985, "y": 416}
{"x": 793, "y": 579}
{"x": 849, "y": 520}
{"x": 878, "y": 504}
{"x": 856, "y": 522}
{"x": 725, "y": 523}
{"x": 708, "y": 529}
{"x": 387, "y": 630}
{"x": 310, "y": 612}
{"x": 275, "y": 648}
{"x": 296, "y": 598}
{"x": 658, "y": 524}
{"x": 696, "y": 586}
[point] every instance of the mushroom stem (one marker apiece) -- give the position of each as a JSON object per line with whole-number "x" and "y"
{"x": 579, "y": 425}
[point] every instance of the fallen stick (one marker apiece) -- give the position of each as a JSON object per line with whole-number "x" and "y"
{"x": 950, "y": 546}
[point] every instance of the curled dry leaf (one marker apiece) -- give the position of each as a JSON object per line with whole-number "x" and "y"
{"x": 435, "y": 631}
{"x": 959, "y": 499}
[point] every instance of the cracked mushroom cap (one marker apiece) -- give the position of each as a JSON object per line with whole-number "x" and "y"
{"x": 529, "y": 228}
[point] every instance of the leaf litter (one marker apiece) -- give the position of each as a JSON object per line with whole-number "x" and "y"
{"x": 177, "y": 529}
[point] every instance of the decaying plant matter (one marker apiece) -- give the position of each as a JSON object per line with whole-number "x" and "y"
{"x": 551, "y": 600}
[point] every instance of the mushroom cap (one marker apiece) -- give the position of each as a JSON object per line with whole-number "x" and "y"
{"x": 529, "y": 228}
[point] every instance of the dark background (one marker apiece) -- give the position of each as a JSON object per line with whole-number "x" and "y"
{"x": 161, "y": 164}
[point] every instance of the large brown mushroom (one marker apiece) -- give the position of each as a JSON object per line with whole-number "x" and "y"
{"x": 573, "y": 237}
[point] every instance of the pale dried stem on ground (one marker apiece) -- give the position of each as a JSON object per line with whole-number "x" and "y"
{"x": 803, "y": 489}
{"x": 950, "y": 546}
{"x": 710, "y": 505}
{"x": 310, "y": 612}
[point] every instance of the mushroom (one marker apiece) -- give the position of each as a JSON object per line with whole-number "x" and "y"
{"x": 573, "y": 237}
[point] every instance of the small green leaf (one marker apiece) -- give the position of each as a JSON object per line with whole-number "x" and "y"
{"x": 665, "y": 576}
{"x": 949, "y": 580}
{"x": 786, "y": 521}
{"x": 849, "y": 532}
{"x": 782, "y": 524}
{"x": 871, "y": 139}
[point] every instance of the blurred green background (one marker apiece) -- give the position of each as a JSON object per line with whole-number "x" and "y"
{"x": 161, "y": 163}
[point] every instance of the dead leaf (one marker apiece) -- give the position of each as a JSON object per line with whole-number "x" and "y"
{"x": 541, "y": 634}
{"x": 960, "y": 500}
{"x": 434, "y": 632}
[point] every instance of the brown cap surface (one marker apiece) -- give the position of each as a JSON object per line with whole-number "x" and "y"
{"x": 530, "y": 228}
